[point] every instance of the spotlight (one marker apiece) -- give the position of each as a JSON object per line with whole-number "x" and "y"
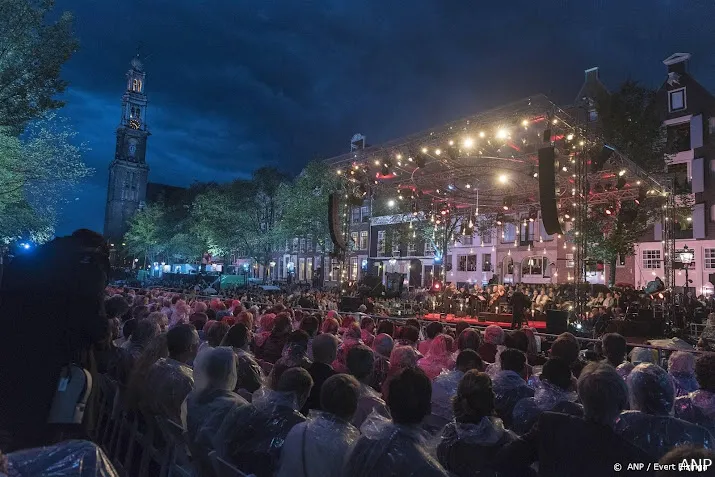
{"x": 450, "y": 187}
{"x": 424, "y": 150}
{"x": 390, "y": 203}
{"x": 608, "y": 212}
{"x": 503, "y": 178}
{"x": 502, "y": 134}
{"x": 438, "y": 152}
{"x": 506, "y": 204}
{"x": 569, "y": 137}
{"x": 481, "y": 134}
{"x": 377, "y": 162}
{"x": 622, "y": 173}
{"x": 468, "y": 143}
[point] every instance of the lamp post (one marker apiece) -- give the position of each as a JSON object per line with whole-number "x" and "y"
{"x": 686, "y": 257}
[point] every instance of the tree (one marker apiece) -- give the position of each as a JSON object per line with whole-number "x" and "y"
{"x": 147, "y": 233}
{"x": 32, "y": 52}
{"x": 35, "y": 169}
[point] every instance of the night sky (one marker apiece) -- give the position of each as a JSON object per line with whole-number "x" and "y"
{"x": 235, "y": 85}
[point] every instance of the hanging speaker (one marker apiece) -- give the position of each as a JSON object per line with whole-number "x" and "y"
{"x": 547, "y": 191}
{"x": 334, "y": 223}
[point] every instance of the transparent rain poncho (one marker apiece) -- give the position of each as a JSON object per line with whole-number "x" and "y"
{"x": 468, "y": 449}
{"x": 444, "y": 388}
{"x": 317, "y": 447}
{"x": 438, "y": 358}
{"x": 546, "y": 397}
{"x": 649, "y": 424}
{"x": 509, "y": 388}
{"x": 697, "y": 407}
{"x": 387, "y": 449}
{"x": 67, "y": 459}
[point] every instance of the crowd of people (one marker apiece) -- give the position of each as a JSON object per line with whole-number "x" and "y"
{"x": 292, "y": 387}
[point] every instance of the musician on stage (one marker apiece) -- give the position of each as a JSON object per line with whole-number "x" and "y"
{"x": 519, "y": 303}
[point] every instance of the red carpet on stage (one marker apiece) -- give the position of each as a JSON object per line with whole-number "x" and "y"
{"x": 539, "y": 325}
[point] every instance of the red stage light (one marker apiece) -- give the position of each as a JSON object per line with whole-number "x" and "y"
{"x": 608, "y": 212}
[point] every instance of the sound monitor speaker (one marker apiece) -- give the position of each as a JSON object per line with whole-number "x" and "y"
{"x": 547, "y": 191}
{"x": 556, "y": 322}
{"x": 334, "y": 223}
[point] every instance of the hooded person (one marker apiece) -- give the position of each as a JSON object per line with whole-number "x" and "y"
{"x": 439, "y": 358}
{"x": 248, "y": 372}
{"x": 272, "y": 348}
{"x": 509, "y": 385}
{"x": 352, "y": 337}
{"x": 493, "y": 337}
{"x": 553, "y": 393}
{"x": 360, "y": 362}
{"x": 382, "y": 345}
{"x": 469, "y": 444}
{"x": 402, "y": 357}
{"x": 444, "y": 388}
{"x": 649, "y": 423}
{"x": 681, "y": 367}
{"x": 698, "y": 407}
{"x": 210, "y": 401}
{"x": 398, "y": 446}
{"x": 318, "y": 446}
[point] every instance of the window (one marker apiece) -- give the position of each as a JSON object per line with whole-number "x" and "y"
{"x": 592, "y": 115}
{"x": 412, "y": 247}
{"x": 356, "y": 215}
{"x": 309, "y": 240}
{"x": 487, "y": 237}
{"x": 509, "y": 233}
{"x": 682, "y": 184}
{"x": 461, "y": 263}
{"x": 711, "y": 125}
{"x": 651, "y": 259}
{"x": 467, "y": 239}
{"x": 471, "y": 263}
{"x": 137, "y": 85}
{"x": 365, "y": 213}
{"x": 302, "y": 245}
{"x": 709, "y": 254}
{"x": 429, "y": 248}
{"x": 448, "y": 263}
{"x": 294, "y": 248}
{"x": 486, "y": 262}
{"x": 353, "y": 268}
{"x": 301, "y": 269}
{"x": 354, "y": 238}
{"x": 677, "y": 100}
{"x": 678, "y": 138}
{"x": 395, "y": 239}
{"x": 510, "y": 266}
{"x": 534, "y": 266}
{"x": 380, "y": 243}
{"x": 308, "y": 269}
{"x": 363, "y": 240}
{"x": 621, "y": 261}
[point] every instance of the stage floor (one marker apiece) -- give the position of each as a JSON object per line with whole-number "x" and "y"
{"x": 539, "y": 325}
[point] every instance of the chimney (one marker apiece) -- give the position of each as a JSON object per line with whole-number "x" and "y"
{"x": 677, "y": 63}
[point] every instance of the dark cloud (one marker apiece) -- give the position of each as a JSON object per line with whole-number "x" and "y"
{"x": 237, "y": 85}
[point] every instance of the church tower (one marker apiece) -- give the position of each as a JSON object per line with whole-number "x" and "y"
{"x": 128, "y": 172}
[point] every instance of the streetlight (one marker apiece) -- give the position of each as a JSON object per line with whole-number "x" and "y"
{"x": 686, "y": 258}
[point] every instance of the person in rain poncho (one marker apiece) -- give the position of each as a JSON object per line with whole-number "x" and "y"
{"x": 318, "y": 446}
{"x": 432, "y": 330}
{"x": 210, "y": 401}
{"x": 649, "y": 424}
{"x": 444, "y": 388}
{"x": 681, "y": 367}
{"x": 397, "y": 447}
{"x": 382, "y": 346}
{"x": 698, "y": 407}
{"x": 493, "y": 338}
{"x": 553, "y": 393}
{"x": 468, "y": 444}
{"x": 360, "y": 363}
{"x": 509, "y": 385}
{"x": 439, "y": 357}
{"x": 248, "y": 371}
{"x": 251, "y": 437}
{"x": 402, "y": 357}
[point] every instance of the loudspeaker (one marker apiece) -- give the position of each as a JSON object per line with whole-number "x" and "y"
{"x": 334, "y": 223}
{"x": 600, "y": 160}
{"x": 556, "y": 322}
{"x": 547, "y": 191}
{"x": 350, "y": 304}
{"x": 547, "y": 135}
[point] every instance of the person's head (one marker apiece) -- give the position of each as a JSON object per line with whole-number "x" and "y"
{"x": 468, "y": 338}
{"x": 410, "y": 334}
{"x": 386, "y": 327}
{"x": 602, "y": 392}
{"x": 368, "y": 324}
{"x": 383, "y": 344}
{"x": 494, "y": 335}
{"x": 183, "y": 343}
{"x": 116, "y": 306}
{"x": 198, "y": 319}
{"x": 282, "y": 324}
{"x": 309, "y": 324}
{"x": 433, "y": 329}
{"x": 360, "y": 362}
{"x": 245, "y": 317}
{"x": 403, "y": 357}
{"x": 474, "y": 399}
{"x": 266, "y": 321}
{"x": 140, "y": 312}
{"x": 160, "y": 319}
{"x": 297, "y": 381}
{"x": 216, "y": 333}
{"x": 651, "y": 390}
{"x": 469, "y": 359}
{"x": 330, "y": 326}
{"x": 642, "y": 355}
{"x": 678, "y": 454}
{"x": 513, "y": 360}
{"x": 237, "y": 336}
{"x": 325, "y": 348}
{"x": 144, "y": 332}
{"x": 681, "y": 363}
{"x": 339, "y": 396}
{"x": 128, "y": 328}
{"x": 460, "y": 326}
{"x": 410, "y": 397}
{"x": 215, "y": 368}
{"x": 519, "y": 341}
{"x": 566, "y": 349}
{"x": 441, "y": 346}
{"x": 705, "y": 372}
{"x": 614, "y": 348}
{"x": 352, "y": 331}
{"x": 296, "y": 343}
{"x": 557, "y": 372}
{"x": 412, "y": 322}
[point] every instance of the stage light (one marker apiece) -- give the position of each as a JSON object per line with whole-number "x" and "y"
{"x": 399, "y": 156}
{"x": 438, "y": 151}
{"x": 565, "y": 169}
{"x": 525, "y": 123}
{"x": 622, "y": 173}
{"x": 555, "y": 121}
{"x": 569, "y": 137}
{"x": 339, "y": 171}
{"x": 503, "y": 178}
{"x": 390, "y": 203}
{"x": 502, "y": 134}
{"x": 26, "y": 246}
{"x": 689, "y": 219}
{"x": 450, "y": 187}
{"x": 536, "y": 174}
{"x": 377, "y": 162}
{"x": 424, "y": 150}
{"x": 409, "y": 159}
{"x": 608, "y": 212}
{"x": 481, "y": 134}
{"x": 638, "y": 182}
{"x": 451, "y": 143}
{"x": 468, "y": 143}
{"x": 468, "y": 186}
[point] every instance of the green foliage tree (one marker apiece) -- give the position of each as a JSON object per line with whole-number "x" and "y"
{"x": 33, "y": 48}
{"x": 147, "y": 232}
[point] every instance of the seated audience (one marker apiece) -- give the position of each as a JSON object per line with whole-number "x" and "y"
{"x": 614, "y": 348}
{"x": 170, "y": 380}
{"x": 468, "y": 339}
{"x": 408, "y": 336}
{"x": 698, "y": 407}
{"x": 318, "y": 446}
{"x": 360, "y": 362}
{"x": 493, "y": 337}
{"x": 564, "y": 445}
{"x": 154, "y": 351}
{"x": 431, "y": 331}
{"x": 509, "y": 385}
{"x": 402, "y": 357}
{"x": 681, "y": 367}
{"x": 272, "y": 349}
{"x": 325, "y": 348}
{"x": 649, "y": 424}
{"x": 439, "y": 357}
{"x": 382, "y": 346}
{"x": 367, "y": 326}
{"x": 397, "y": 447}
{"x": 248, "y": 372}
{"x": 145, "y": 331}
{"x": 444, "y": 388}
{"x": 468, "y": 445}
